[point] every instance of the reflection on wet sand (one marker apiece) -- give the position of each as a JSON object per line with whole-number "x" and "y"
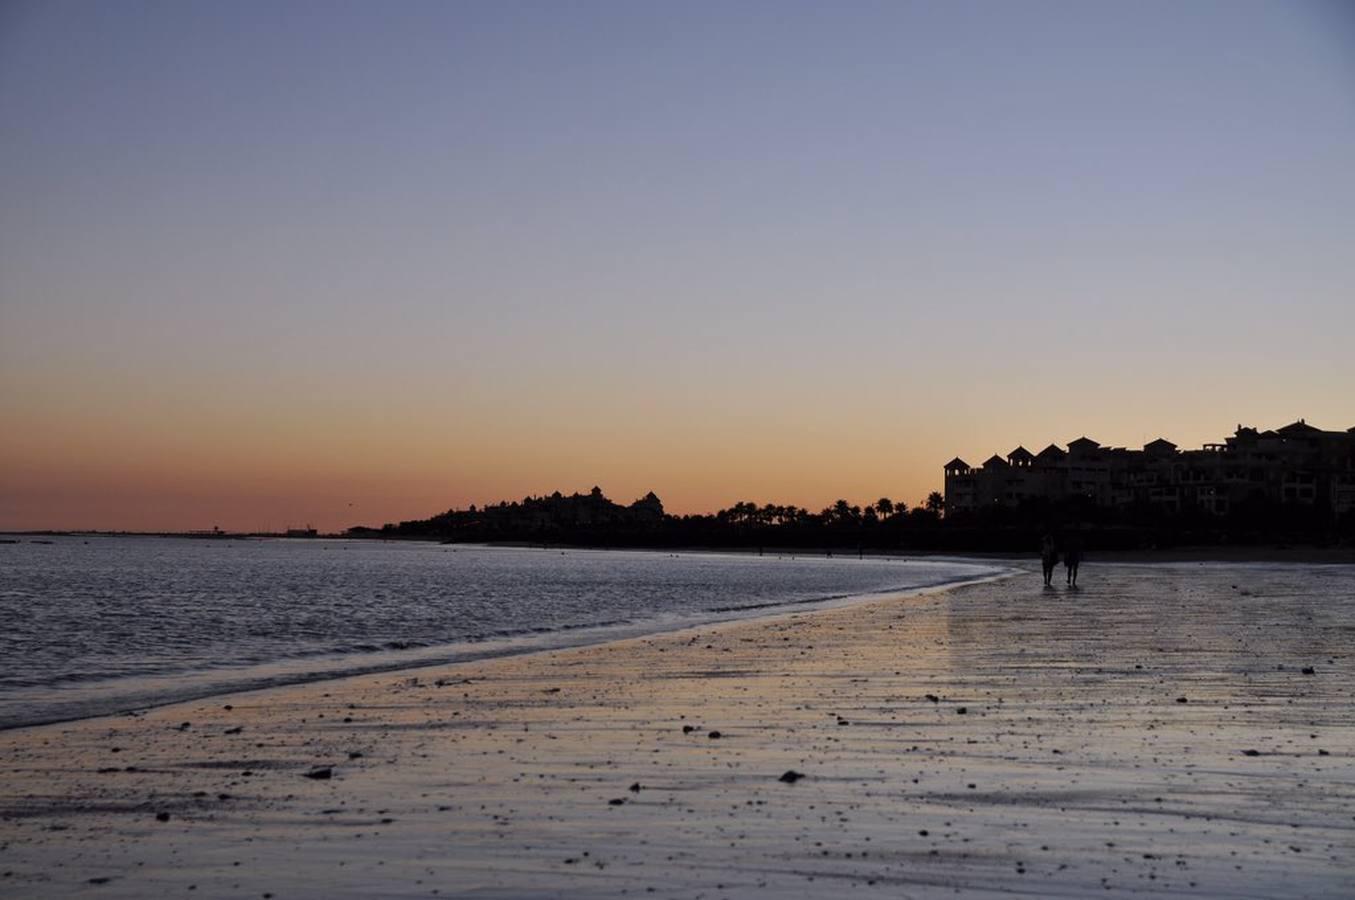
{"x": 1181, "y": 729}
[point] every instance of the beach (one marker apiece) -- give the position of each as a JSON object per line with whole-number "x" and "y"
{"x": 1182, "y": 729}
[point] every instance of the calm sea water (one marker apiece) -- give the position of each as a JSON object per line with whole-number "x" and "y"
{"x": 103, "y": 624}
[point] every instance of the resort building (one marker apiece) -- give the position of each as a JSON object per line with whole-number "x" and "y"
{"x": 1297, "y": 464}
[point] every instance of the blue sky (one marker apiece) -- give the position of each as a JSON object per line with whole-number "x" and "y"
{"x": 459, "y": 251}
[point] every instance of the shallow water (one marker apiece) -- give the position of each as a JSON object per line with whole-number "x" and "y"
{"x": 94, "y": 625}
{"x": 1181, "y": 730}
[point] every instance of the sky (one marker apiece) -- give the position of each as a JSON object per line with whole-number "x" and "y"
{"x": 271, "y": 264}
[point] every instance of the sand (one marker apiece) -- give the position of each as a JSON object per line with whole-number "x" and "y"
{"x": 1179, "y": 730}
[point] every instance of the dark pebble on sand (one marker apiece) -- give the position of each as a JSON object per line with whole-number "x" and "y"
{"x": 1251, "y": 752}
{"x": 354, "y": 754}
{"x": 236, "y": 730}
{"x": 1182, "y": 700}
{"x": 790, "y": 776}
{"x": 688, "y": 729}
{"x": 962, "y": 711}
{"x": 321, "y": 773}
{"x": 162, "y": 817}
{"x": 616, "y": 801}
{"x": 713, "y": 735}
{"x": 1309, "y": 670}
{"x": 933, "y": 698}
{"x": 635, "y": 788}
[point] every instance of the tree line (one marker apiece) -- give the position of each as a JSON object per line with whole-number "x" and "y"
{"x": 883, "y": 526}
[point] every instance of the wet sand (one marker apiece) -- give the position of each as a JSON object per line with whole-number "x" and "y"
{"x": 1174, "y": 730}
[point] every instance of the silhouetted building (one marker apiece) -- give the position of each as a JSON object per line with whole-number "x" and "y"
{"x": 1296, "y": 464}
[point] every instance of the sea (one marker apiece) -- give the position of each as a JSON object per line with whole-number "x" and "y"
{"x": 96, "y": 625}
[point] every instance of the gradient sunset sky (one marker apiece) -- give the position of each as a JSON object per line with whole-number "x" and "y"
{"x": 266, "y": 264}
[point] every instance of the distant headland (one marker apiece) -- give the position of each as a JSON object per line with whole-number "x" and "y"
{"x": 1290, "y": 485}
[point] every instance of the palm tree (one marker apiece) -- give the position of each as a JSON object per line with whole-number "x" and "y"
{"x": 885, "y": 507}
{"x": 935, "y": 503}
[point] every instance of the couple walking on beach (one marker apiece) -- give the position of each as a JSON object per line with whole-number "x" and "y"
{"x": 1049, "y": 557}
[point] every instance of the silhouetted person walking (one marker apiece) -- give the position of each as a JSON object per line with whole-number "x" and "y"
{"x": 1049, "y": 558}
{"x": 1072, "y": 556}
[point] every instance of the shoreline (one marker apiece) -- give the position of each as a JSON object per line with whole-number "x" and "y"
{"x": 525, "y": 644}
{"x": 1223, "y": 553}
{"x": 1138, "y": 735}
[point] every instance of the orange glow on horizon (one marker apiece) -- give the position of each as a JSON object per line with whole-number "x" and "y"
{"x": 261, "y": 470}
